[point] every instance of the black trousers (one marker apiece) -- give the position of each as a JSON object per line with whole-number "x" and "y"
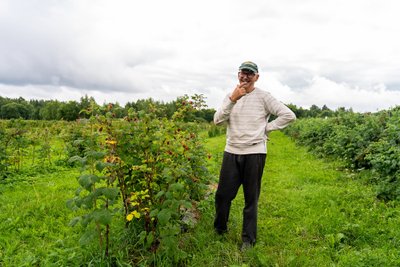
{"x": 239, "y": 170}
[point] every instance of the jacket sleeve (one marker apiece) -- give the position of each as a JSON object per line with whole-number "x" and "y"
{"x": 224, "y": 111}
{"x": 283, "y": 113}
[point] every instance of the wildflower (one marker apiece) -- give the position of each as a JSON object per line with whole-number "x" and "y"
{"x": 133, "y": 214}
{"x": 136, "y": 214}
{"x": 111, "y": 142}
{"x": 135, "y": 203}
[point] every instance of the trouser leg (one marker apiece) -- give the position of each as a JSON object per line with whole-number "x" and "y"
{"x": 228, "y": 185}
{"x": 252, "y": 173}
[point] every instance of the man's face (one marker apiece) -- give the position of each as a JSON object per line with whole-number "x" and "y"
{"x": 248, "y": 77}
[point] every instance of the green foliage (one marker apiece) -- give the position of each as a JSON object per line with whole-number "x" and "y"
{"x": 75, "y": 139}
{"x": 384, "y": 157}
{"x": 215, "y": 130}
{"x": 166, "y": 175}
{"x": 316, "y": 112}
{"x": 97, "y": 193}
{"x": 17, "y": 143}
{"x": 3, "y": 150}
{"x": 153, "y": 166}
{"x": 14, "y": 111}
{"x": 360, "y": 141}
{"x": 71, "y": 110}
{"x": 310, "y": 214}
{"x": 30, "y": 145}
{"x": 50, "y": 110}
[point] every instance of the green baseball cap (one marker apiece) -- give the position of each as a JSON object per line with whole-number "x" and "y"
{"x": 248, "y": 65}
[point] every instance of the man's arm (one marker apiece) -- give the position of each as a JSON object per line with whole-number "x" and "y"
{"x": 283, "y": 113}
{"x": 224, "y": 111}
{"x": 230, "y": 100}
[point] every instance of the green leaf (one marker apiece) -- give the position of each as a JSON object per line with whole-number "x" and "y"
{"x": 160, "y": 194}
{"x": 71, "y": 204}
{"x": 150, "y": 239}
{"x": 153, "y": 213}
{"x": 95, "y": 154}
{"x": 86, "y": 219}
{"x": 186, "y": 204}
{"x": 141, "y": 113}
{"x": 85, "y": 181}
{"x": 78, "y": 142}
{"x": 164, "y": 216}
{"x": 78, "y": 191}
{"x": 76, "y": 159}
{"x": 110, "y": 193}
{"x": 88, "y": 237}
{"x": 142, "y": 236}
{"x": 176, "y": 187}
{"x": 87, "y": 202}
{"x": 74, "y": 221}
{"x": 100, "y": 166}
{"x": 103, "y": 216}
{"x": 167, "y": 203}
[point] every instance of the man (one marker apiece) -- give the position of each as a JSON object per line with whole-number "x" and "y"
{"x": 246, "y": 111}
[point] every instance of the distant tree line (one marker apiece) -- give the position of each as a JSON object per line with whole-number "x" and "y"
{"x": 317, "y": 112}
{"x": 71, "y": 110}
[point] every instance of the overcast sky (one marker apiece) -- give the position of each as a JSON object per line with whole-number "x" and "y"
{"x": 342, "y": 53}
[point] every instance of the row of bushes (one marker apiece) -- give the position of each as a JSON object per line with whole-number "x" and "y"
{"x": 361, "y": 141}
{"x": 28, "y": 145}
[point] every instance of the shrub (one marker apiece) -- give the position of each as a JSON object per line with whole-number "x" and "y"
{"x": 157, "y": 167}
{"x": 360, "y": 141}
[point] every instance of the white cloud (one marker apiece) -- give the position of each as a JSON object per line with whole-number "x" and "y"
{"x": 323, "y": 91}
{"x": 126, "y": 50}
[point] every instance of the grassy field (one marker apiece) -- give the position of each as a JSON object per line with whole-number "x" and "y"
{"x": 310, "y": 214}
{"x": 34, "y": 220}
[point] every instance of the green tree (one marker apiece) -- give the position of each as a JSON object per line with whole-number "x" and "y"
{"x": 314, "y": 111}
{"x": 326, "y": 112}
{"x": 36, "y": 105}
{"x": 15, "y": 110}
{"x": 50, "y": 110}
{"x": 69, "y": 111}
{"x": 85, "y": 104}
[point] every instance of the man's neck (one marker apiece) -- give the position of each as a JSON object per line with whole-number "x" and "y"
{"x": 251, "y": 89}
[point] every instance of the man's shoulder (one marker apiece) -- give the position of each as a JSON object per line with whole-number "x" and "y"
{"x": 261, "y": 92}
